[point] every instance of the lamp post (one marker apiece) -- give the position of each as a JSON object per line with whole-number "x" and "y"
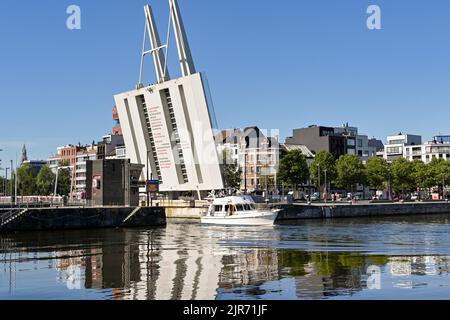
{"x": 5, "y": 185}
{"x": 443, "y": 186}
{"x": 146, "y": 182}
{"x": 318, "y": 174}
{"x": 326, "y": 187}
{"x": 4, "y": 181}
{"x": 389, "y": 182}
{"x": 245, "y": 172}
{"x": 15, "y": 179}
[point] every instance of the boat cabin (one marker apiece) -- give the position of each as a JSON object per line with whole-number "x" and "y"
{"x": 229, "y": 206}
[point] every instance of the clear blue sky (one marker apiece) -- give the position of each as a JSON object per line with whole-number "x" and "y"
{"x": 276, "y": 64}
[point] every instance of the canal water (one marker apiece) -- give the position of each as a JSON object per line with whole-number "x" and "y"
{"x": 384, "y": 258}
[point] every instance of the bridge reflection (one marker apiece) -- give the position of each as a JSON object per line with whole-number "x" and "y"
{"x": 187, "y": 261}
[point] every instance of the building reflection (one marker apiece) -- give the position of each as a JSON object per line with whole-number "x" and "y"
{"x": 184, "y": 262}
{"x": 172, "y": 264}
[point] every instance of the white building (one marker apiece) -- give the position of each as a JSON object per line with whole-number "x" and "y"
{"x": 90, "y": 154}
{"x": 438, "y": 148}
{"x": 396, "y": 145}
{"x": 168, "y": 126}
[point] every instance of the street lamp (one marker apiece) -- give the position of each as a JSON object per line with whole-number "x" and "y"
{"x": 56, "y": 177}
{"x": 443, "y": 186}
{"x": 146, "y": 182}
{"x": 389, "y": 189}
{"x": 318, "y": 174}
{"x": 5, "y": 185}
{"x": 13, "y": 199}
{"x": 326, "y": 187}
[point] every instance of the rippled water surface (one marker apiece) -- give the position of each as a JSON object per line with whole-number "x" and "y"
{"x": 392, "y": 258}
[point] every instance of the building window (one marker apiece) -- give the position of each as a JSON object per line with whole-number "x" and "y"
{"x": 401, "y": 141}
{"x": 394, "y": 150}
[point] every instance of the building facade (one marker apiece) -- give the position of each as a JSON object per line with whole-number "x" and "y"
{"x": 75, "y": 158}
{"x": 438, "y": 148}
{"x": 112, "y": 182}
{"x": 167, "y": 126}
{"x": 336, "y": 140}
{"x": 319, "y": 138}
{"x": 257, "y": 154}
{"x": 396, "y": 145}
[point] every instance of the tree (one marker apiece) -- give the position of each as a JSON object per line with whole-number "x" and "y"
{"x": 403, "y": 175}
{"x": 64, "y": 182}
{"x": 293, "y": 169}
{"x": 421, "y": 175}
{"x": 439, "y": 171}
{"x": 230, "y": 170}
{"x": 64, "y": 178}
{"x": 324, "y": 160}
{"x": 26, "y": 180}
{"x": 45, "y": 181}
{"x": 350, "y": 171}
{"x": 377, "y": 172}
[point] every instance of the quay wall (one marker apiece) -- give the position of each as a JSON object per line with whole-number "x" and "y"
{"x": 86, "y": 218}
{"x": 330, "y": 211}
{"x": 299, "y": 212}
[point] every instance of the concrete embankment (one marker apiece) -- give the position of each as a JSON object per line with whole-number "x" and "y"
{"x": 317, "y": 211}
{"x": 84, "y": 218}
{"x": 299, "y": 211}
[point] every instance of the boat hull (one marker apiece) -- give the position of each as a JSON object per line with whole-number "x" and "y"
{"x": 251, "y": 219}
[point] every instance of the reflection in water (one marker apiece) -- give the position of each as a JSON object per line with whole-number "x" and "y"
{"x": 311, "y": 260}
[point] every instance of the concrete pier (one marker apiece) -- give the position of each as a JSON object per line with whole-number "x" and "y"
{"x": 39, "y": 219}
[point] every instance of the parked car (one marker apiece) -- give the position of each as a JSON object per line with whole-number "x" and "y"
{"x": 415, "y": 196}
{"x": 315, "y": 196}
{"x": 358, "y": 196}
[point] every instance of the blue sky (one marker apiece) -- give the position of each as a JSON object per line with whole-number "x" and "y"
{"x": 276, "y": 64}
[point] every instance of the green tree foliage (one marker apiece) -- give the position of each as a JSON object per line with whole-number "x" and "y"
{"x": 5, "y": 184}
{"x": 324, "y": 160}
{"x": 45, "y": 181}
{"x": 230, "y": 170}
{"x": 377, "y": 172}
{"x": 350, "y": 171}
{"x": 438, "y": 172}
{"x": 64, "y": 178}
{"x": 63, "y": 182}
{"x": 293, "y": 169}
{"x": 26, "y": 180}
{"x": 267, "y": 180}
{"x": 421, "y": 175}
{"x": 403, "y": 175}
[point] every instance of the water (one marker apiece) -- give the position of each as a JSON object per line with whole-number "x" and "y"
{"x": 391, "y": 258}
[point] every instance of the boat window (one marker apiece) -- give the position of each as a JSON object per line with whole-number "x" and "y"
{"x": 230, "y": 209}
{"x": 240, "y": 207}
{"x": 252, "y": 207}
{"x": 247, "y": 207}
{"x": 218, "y": 208}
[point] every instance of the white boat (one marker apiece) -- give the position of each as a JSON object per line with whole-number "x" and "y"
{"x": 238, "y": 210}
